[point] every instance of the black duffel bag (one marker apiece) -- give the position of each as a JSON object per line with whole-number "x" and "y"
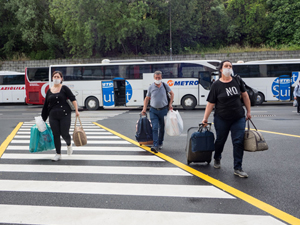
{"x": 251, "y": 91}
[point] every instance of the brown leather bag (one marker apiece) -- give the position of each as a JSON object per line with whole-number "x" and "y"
{"x": 79, "y": 136}
{"x": 253, "y": 140}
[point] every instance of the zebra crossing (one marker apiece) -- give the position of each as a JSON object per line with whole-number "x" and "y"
{"x": 108, "y": 181}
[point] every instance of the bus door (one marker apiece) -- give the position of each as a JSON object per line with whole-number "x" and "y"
{"x": 284, "y": 88}
{"x": 204, "y": 79}
{"x": 119, "y": 91}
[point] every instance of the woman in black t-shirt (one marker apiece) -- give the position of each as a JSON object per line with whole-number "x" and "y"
{"x": 59, "y": 112}
{"x": 229, "y": 115}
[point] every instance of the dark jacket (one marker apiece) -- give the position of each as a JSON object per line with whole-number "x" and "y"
{"x": 57, "y": 102}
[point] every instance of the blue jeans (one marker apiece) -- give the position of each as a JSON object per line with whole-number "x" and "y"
{"x": 237, "y": 128}
{"x": 158, "y": 125}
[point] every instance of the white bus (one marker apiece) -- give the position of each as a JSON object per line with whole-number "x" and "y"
{"x": 274, "y": 79}
{"x": 125, "y": 82}
{"x": 12, "y": 87}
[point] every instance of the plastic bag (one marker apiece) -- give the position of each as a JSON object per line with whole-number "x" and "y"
{"x": 295, "y": 103}
{"x": 41, "y": 125}
{"x": 173, "y": 123}
{"x": 41, "y": 141}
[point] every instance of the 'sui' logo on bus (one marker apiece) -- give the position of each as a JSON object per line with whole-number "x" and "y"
{"x": 108, "y": 93}
{"x": 281, "y": 87}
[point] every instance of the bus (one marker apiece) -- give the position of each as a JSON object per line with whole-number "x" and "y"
{"x": 274, "y": 79}
{"x": 36, "y": 84}
{"x": 12, "y": 87}
{"x": 120, "y": 83}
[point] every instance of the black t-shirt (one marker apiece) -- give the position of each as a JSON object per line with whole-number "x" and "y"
{"x": 226, "y": 97}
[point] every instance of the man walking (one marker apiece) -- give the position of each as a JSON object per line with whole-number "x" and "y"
{"x": 159, "y": 107}
{"x": 297, "y": 96}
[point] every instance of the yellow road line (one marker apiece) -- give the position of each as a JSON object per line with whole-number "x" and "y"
{"x": 271, "y": 132}
{"x": 9, "y": 138}
{"x": 233, "y": 191}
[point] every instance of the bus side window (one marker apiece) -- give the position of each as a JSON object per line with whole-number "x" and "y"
{"x": 205, "y": 79}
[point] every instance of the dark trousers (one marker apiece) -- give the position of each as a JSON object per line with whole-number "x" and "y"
{"x": 237, "y": 128}
{"x": 60, "y": 125}
{"x": 158, "y": 125}
{"x": 298, "y": 107}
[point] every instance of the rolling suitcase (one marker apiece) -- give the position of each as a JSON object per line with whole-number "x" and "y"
{"x": 144, "y": 131}
{"x": 200, "y": 144}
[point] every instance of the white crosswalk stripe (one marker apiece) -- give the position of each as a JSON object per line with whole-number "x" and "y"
{"x": 90, "y": 137}
{"x": 155, "y": 171}
{"x": 72, "y": 215}
{"x": 27, "y": 173}
{"x": 84, "y": 148}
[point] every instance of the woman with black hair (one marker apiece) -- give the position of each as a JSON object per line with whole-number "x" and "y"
{"x": 229, "y": 115}
{"x": 59, "y": 112}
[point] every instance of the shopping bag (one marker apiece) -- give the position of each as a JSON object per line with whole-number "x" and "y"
{"x": 41, "y": 141}
{"x": 41, "y": 125}
{"x": 173, "y": 123}
{"x": 79, "y": 136}
{"x": 295, "y": 103}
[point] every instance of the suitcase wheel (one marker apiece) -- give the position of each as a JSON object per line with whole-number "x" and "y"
{"x": 188, "y": 162}
{"x": 208, "y": 162}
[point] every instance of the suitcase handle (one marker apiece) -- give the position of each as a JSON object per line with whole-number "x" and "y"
{"x": 201, "y": 126}
{"x": 141, "y": 115}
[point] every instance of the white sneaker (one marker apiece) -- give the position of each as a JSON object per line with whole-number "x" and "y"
{"x": 69, "y": 149}
{"x": 56, "y": 157}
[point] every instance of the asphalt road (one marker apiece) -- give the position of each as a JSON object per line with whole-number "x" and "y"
{"x": 273, "y": 174}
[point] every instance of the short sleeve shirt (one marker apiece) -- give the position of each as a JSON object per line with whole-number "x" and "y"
{"x": 158, "y": 95}
{"x": 226, "y": 97}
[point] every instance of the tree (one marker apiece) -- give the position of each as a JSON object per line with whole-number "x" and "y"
{"x": 97, "y": 26}
{"x": 285, "y": 19}
{"x": 248, "y": 21}
{"x": 36, "y": 27}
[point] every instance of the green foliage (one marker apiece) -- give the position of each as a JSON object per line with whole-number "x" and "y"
{"x": 285, "y": 20}
{"x": 248, "y": 23}
{"x": 47, "y": 29}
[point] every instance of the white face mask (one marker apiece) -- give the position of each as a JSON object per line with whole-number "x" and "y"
{"x": 157, "y": 81}
{"x": 56, "y": 81}
{"x": 227, "y": 72}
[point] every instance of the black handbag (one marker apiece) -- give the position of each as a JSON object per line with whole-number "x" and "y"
{"x": 252, "y": 92}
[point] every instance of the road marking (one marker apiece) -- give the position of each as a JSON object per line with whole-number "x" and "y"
{"x": 144, "y": 158}
{"x": 163, "y": 190}
{"x": 97, "y": 129}
{"x": 271, "y": 132}
{"x": 89, "y": 141}
{"x": 155, "y": 171}
{"x": 88, "y": 137}
{"x": 9, "y": 139}
{"x": 71, "y": 215}
{"x": 71, "y": 132}
{"x": 84, "y": 148}
{"x": 235, "y": 192}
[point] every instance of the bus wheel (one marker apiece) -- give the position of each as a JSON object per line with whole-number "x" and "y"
{"x": 188, "y": 102}
{"x": 92, "y": 103}
{"x": 260, "y": 98}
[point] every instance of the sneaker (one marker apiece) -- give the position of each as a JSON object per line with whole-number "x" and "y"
{"x": 56, "y": 157}
{"x": 217, "y": 163}
{"x": 240, "y": 173}
{"x": 69, "y": 149}
{"x": 154, "y": 149}
{"x": 160, "y": 147}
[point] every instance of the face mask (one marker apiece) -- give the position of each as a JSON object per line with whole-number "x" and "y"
{"x": 56, "y": 81}
{"x": 157, "y": 81}
{"x": 227, "y": 72}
